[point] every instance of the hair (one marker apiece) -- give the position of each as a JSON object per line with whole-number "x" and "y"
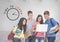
{"x": 20, "y": 24}
{"x": 29, "y": 12}
{"x": 41, "y": 22}
{"x": 46, "y": 13}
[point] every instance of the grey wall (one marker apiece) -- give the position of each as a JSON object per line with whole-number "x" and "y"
{"x": 37, "y": 6}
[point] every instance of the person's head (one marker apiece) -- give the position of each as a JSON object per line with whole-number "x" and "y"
{"x": 46, "y": 15}
{"x": 22, "y": 23}
{"x": 30, "y": 14}
{"x": 39, "y": 19}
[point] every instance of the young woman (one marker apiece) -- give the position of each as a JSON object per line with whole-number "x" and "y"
{"x": 18, "y": 29}
{"x": 39, "y": 35}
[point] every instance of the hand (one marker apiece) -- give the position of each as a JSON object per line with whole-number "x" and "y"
{"x": 27, "y": 35}
{"x": 52, "y": 31}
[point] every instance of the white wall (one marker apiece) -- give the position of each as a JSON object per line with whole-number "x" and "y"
{"x": 37, "y": 6}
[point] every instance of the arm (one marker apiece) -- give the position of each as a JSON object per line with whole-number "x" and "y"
{"x": 34, "y": 27}
{"x": 56, "y": 28}
{"x": 14, "y": 30}
{"x": 33, "y": 30}
{"x": 55, "y": 24}
{"x": 45, "y": 37}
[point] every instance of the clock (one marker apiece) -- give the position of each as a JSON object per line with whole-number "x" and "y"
{"x": 12, "y": 14}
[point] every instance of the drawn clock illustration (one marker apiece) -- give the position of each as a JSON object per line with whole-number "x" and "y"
{"x": 12, "y": 13}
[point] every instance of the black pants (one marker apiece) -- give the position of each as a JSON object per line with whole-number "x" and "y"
{"x": 30, "y": 39}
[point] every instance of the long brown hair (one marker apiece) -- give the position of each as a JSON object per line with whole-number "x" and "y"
{"x": 20, "y": 24}
{"x": 41, "y": 22}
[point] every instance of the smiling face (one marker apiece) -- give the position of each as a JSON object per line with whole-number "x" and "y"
{"x": 24, "y": 22}
{"x": 39, "y": 19}
{"x": 30, "y": 15}
{"x": 46, "y": 16}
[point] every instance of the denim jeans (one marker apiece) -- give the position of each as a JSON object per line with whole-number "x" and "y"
{"x": 39, "y": 39}
{"x": 16, "y": 40}
{"x": 51, "y": 39}
{"x": 27, "y": 40}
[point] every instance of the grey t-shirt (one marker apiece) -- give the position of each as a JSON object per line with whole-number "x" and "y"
{"x": 29, "y": 26}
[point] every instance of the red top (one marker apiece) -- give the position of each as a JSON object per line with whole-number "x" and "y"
{"x": 38, "y": 34}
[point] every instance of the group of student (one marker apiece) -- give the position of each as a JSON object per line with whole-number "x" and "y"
{"x": 29, "y": 25}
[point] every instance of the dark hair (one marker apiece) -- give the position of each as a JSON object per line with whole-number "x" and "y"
{"x": 20, "y": 24}
{"x": 41, "y": 22}
{"x": 46, "y": 13}
{"x": 29, "y": 12}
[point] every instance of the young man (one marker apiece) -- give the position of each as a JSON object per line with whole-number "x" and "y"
{"x": 30, "y": 22}
{"x": 51, "y": 35}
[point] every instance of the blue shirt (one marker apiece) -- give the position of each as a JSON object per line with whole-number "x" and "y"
{"x": 50, "y": 26}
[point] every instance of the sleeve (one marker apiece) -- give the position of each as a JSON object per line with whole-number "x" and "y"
{"x": 54, "y": 22}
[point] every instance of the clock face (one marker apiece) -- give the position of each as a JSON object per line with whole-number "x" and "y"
{"x": 12, "y": 14}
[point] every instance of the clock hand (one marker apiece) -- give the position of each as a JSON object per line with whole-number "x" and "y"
{"x": 14, "y": 13}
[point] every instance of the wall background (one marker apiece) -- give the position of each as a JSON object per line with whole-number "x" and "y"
{"x": 37, "y": 6}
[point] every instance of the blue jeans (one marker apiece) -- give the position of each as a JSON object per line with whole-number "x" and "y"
{"x": 51, "y": 39}
{"x": 39, "y": 39}
{"x": 16, "y": 40}
{"x": 27, "y": 40}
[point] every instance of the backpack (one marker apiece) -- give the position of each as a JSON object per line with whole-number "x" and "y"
{"x": 52, "y": 25}
{"x": 10, "y": 36}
